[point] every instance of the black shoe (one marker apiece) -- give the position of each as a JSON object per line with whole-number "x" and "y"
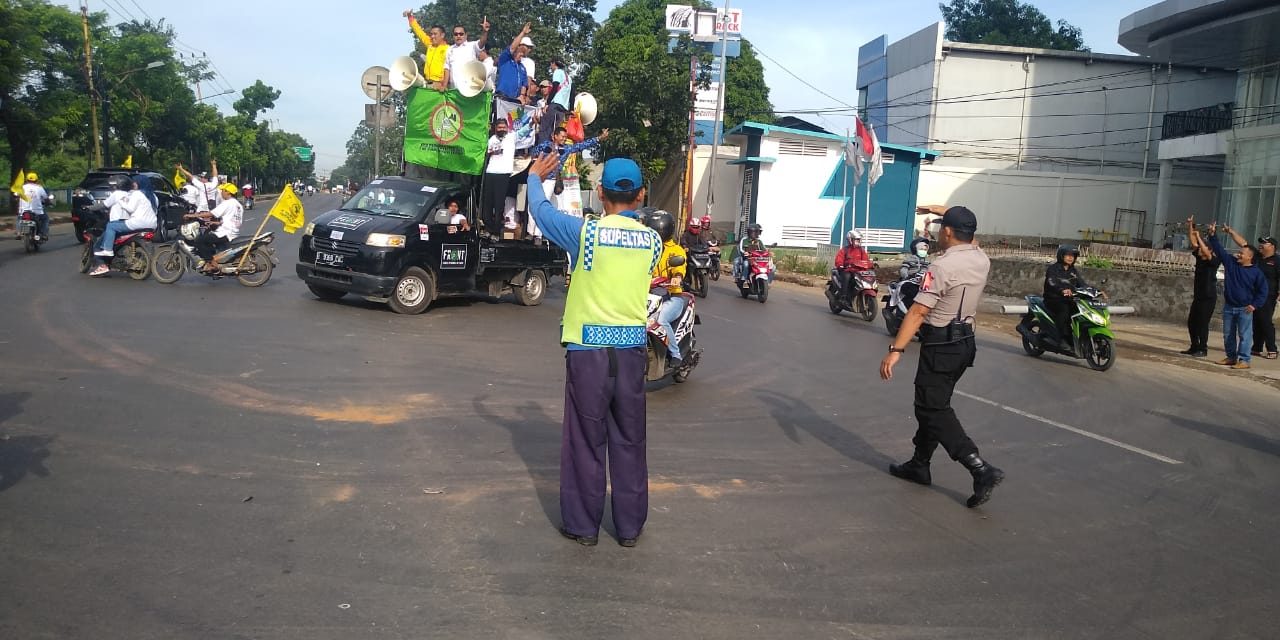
{"x": 629, "y": 542}
{"x": 675, "y": 362}
{"x": 586, "y": 541}
{"x": 1199, "y": 353}
{"x": 1189, "y": 352}
{"x": 985, "y": 479}
{"x": 916, "y": 470}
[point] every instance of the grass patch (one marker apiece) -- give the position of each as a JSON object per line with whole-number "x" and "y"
{"x": 1099, "y": 263}
{"x": 800, "y": 261}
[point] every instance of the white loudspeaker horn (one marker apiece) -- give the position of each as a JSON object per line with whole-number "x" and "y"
{"x": 404, "y": 74}
{"x": 471, "y": 78}
{"x": 585, "y": 104}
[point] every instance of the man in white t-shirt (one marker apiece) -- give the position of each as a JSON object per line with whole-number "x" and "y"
{"x": 490, "y": 69}
{"x": 529, "y": 67}
{"x": 497, "y": 175}
{"x": 224, "y": 226}
{"x": 33, "y": 200}
{"x": 463, "y": 51}
{"x": 206, "y": 187}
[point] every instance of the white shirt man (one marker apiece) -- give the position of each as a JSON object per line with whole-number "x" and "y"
{"x": 231, "y": 213}
{"x": 141, "y": 214}
{"x": 210, "y": 186}
{"x": 503, "y": 154}
{"x": 490, "y": 70}
{"x": 115, "y": 204}
{"x": 458, "y": 55}
{"x": 194, "y": 196}
{"x": 36, "y": 196}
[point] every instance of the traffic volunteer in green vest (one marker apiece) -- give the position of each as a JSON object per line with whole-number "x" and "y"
{"x": 603, "y": 332}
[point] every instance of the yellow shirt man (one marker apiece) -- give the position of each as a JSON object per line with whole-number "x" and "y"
{"x": 670, "y": 248}
{"x": 433, "y": 68}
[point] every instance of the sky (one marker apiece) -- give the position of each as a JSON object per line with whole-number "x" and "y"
{"x": 314, "y": 52}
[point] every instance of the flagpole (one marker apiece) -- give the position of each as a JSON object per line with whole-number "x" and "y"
{"x": 844, "y": 184}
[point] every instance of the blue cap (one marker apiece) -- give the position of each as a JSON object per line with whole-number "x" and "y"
{"x": 621, "y": 174}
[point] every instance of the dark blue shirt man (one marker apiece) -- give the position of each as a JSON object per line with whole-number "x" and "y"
{"x": 513, "y": 80}
{"x": 1243, "y": 292}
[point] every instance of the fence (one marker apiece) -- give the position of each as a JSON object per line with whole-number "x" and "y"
{"x": 1108, "y": 256}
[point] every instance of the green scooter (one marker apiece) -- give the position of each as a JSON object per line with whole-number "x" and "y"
{"x": 1091, "y": 336}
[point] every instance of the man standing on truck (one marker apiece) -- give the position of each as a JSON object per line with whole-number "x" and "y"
{"x": 604, "y": 332}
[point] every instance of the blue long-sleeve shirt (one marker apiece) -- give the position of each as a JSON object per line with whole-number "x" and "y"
{"x": 1243, "y": 286}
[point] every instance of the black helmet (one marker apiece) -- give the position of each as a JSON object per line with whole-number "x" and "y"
{"x": 1063, "y": 250}
{"x": 659, "y": 221}
{"x": 916, "y": 243}
{"x": 754, "y": 227}
{"x": 118, "y": 182}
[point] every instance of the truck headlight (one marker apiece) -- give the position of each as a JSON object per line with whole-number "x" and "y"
{"x": 309, "y": 229}
{"x": 384, "y": 240}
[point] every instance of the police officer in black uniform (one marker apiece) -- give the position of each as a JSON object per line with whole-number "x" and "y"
{"x": 943, "y": 313}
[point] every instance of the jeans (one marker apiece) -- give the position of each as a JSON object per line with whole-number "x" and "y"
{"x": 42, "y": 224}
{"x": 668, "y": 313}
{"x": 1237, "y": 333}
{"x": 110, "y": 232}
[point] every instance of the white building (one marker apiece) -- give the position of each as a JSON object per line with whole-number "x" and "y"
{"x": 1040, "y": 142}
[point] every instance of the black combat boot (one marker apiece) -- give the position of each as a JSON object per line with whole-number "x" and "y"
{"x": 916, "y": 470}
{"x": 985, "y": 479}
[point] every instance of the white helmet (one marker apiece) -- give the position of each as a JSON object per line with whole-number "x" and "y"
{"x": 853, "y": 234}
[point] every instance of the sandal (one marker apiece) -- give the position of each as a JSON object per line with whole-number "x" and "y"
{"x": 1271, "y": 355}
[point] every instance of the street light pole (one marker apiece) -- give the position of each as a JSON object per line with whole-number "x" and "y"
{"x": 88, "y": 72}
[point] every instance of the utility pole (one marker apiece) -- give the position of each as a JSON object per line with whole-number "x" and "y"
{"x": 377, "y": 129}
{"x": 718, "y": 125}
{"x": 88, "y": 74}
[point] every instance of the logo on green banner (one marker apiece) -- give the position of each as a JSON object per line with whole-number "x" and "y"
{"x": 446, "y": 123}
{"x": 446, "y": 130}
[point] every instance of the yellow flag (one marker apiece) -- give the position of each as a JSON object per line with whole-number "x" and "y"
{"x": 178, "y": 180}
{"x": 16, "y": 188}
{"x": 128, "y": 162}
{"x": 288, "y": 209}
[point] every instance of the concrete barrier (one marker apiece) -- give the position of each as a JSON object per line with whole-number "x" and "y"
{"x": 1158, "y": 296}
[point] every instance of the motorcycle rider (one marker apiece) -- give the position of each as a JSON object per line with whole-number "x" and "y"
{"x": 674, "y": 305}
{"x": 1060, "y": 282}
{"x": 224, "y": 225}
{"x": 33, "y": 199}
{"x": 140, "y": 214}
{"x": 693, "y": 239}
{"x": 749, "y": 242}
{"x": 913, "y": 265}
{"x": 851, "y": 259}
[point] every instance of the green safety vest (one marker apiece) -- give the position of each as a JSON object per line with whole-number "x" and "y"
{"x": 608, "y": 302}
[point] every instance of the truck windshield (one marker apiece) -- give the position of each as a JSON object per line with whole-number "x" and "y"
{"x": 388, "y": 201}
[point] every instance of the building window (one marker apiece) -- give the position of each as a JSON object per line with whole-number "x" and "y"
{"x": 1257, "y": 96}
{"x": 1253, "y": 193}
{"x": 788, "y": 147}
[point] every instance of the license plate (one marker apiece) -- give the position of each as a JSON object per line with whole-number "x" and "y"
{"x": 23, "y": 225}
{"x": 329, "y": 259}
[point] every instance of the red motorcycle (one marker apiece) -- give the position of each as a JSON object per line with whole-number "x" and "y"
{"x": 131, "y": 255}
{"x": 860, "y": 298}
{"x": 759, "y": 268}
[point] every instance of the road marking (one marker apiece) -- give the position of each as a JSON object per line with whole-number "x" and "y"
{"x": 1075, "y": 430}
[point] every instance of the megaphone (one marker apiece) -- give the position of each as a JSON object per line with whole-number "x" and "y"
{"x": 471, "y": 78}
{"x": 404, "y": 74}
{"x": 585, "y": 105}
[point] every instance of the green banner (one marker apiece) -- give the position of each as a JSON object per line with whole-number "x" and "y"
{"x": 446, "y": 130}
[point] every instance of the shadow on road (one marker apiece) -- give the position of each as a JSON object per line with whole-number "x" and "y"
{"x": 1240, "y": 437}
{"x": 533, "y": 438}
{"x": 20, "y": 455}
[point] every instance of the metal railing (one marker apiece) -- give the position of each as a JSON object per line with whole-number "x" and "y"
{"x": 1211, "y": 119}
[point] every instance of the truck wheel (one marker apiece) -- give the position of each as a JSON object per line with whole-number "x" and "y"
{"x": 533, "y": 290}
{"x": 415, "y": 290}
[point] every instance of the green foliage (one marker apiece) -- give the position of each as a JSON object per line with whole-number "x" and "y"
{"x": 149, "y": 112}
{"x": 1098, "y": 263}
{"x": 560, "y": 27}
{"x": 1008, "y": 22}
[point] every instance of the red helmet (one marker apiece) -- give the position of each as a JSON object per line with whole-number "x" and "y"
{"x": 695, "y": 224}
{"x": 706, "y": 221}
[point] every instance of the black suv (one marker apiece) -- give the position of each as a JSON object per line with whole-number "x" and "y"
{"x": 95, "y": 188}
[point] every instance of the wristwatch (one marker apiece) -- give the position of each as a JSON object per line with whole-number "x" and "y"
{"x": 893, "y": 349}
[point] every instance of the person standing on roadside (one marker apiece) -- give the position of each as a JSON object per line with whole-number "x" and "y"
{"x": 943, "y": 313}
{"x": 603, "y": 331}
{"x": 1204, "y": 293}
{"x": 1244, "y": 291}
{"x": 1264, "y": 326}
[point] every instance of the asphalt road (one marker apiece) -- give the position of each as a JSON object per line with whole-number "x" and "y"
{"x": 205, "y": 460}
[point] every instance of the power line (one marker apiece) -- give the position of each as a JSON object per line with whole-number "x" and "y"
{"x": 144, "y": 11}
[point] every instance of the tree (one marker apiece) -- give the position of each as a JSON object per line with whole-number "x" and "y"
{"x": 256, "y": 99}
{"x": 643, "y": 90}
{"x": 560, "y": 27}
{"x": 1008, "y": 22}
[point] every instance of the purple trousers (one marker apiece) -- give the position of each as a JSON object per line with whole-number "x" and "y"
{"x": 604, "y": 412}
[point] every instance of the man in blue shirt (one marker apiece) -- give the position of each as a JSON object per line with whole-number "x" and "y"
{"x": 512, "y": 85}
{"x": 1244, "y": 291}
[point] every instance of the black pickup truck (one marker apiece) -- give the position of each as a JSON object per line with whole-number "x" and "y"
{"x": 395, "y": 241}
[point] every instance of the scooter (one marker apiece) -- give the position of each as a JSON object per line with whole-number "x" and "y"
{"x": 759, "y": 268}
{"x": 700, "y": 269}
{"x": 713, "y": 248}
{"x": 658, "y": 364}
{"x": 1091, "y": 337}
{"x": 131, "y": 255}
{"x": 902, "y": 294}
{"x": 27, "y": 227}
{"x": 861, "y": 297}
{"x": 176, "y": 258}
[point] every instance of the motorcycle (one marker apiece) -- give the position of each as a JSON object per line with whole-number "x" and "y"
{"x": 176, "y": 258}
{"x": 861, "y": 296}
{"x": 701, "y": 268}
{"x": 248, "y": 203}
{"x": 713, "y": 248}
{"x": 902, "y": 294}
{"x": 759, "y": 267}
{"x": 27, "y": 227}
{"x": 1091, "y": 337}
{"x": 657, "y": 366}
{"x": 131, "y": 255}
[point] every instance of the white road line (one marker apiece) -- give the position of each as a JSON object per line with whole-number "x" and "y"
{"x": 1075, "y": 430}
